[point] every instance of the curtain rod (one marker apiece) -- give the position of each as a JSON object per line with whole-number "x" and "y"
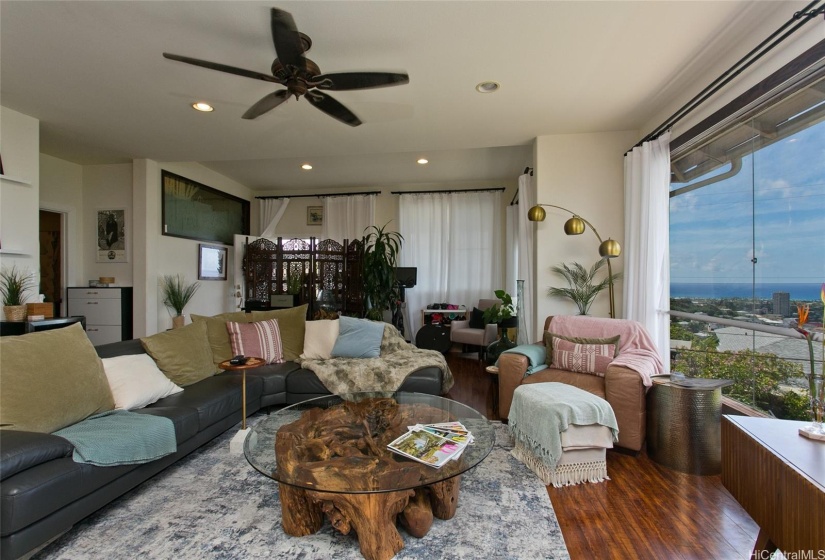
{"x": 499, "y": 189}
{"x": 326, "y": 195}
{"x": 763, "y": 48}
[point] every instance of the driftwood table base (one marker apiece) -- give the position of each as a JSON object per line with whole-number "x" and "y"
{"x": 343, "y": 449}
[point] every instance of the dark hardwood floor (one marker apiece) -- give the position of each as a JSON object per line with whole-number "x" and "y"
{"x": 643, "y": 511}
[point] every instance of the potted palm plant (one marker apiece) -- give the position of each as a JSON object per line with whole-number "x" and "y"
{"x": 13, "y": 285}
{"x": 582, "y": 288}
{"x": 176, "y": 294}
{"x": 381, "y": 250}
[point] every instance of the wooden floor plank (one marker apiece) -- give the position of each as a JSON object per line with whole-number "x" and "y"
{"x": 644, "y": 511}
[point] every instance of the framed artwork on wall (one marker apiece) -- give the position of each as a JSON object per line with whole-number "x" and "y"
{"x": 315, "y": 215}
{"x": 212, "y": 262}
{"x": 111, "y": 236}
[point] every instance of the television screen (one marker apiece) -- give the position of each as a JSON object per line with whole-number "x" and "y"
{"x": 406, "y": 276}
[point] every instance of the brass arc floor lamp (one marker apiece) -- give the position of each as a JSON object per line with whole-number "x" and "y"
{"x": 576, "y": 226}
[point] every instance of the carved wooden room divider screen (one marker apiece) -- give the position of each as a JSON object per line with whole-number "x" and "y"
{"x": 328, "y": 272}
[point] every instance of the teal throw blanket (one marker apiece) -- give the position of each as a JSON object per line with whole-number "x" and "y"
{"x": 120, "y": 437}
{"x": 536, "y": 355}
{"x": 542, "y": 411}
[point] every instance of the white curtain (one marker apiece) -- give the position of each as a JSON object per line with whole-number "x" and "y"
{"x": 527, "y": 257}
{"x": 346, "y": 217}
{"x": 271, "y": 210}
{"x": 453, "y": 239}
{"x": 511, "y": 255}
{"x": 647, "y": 229}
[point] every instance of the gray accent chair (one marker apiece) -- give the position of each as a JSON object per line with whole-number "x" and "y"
{"x": 461, "y": 332}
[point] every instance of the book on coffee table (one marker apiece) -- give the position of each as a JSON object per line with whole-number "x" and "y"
{"x": 426, "y": 447}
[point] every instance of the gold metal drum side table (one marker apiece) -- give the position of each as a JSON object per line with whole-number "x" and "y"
{"x": 683, "y": 424}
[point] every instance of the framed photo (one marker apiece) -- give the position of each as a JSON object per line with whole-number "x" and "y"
{"x": 315, "y": 215}
{"x": 211, "y": 262}
{"x": 111, "y": 236}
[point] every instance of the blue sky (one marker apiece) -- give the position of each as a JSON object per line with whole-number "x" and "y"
{"x": 716, "y": 230}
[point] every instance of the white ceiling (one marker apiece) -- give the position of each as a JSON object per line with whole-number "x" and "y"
{"x": 93, "y": 74}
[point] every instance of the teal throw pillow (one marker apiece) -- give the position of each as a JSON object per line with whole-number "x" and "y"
{"x": 358, "y": 338}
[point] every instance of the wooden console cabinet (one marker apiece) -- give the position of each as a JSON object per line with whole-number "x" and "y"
{"x": 779, "y": 478}
{"x": 108, "y": 312}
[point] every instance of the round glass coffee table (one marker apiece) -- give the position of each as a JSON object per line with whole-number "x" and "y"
{"x": 330, "y": 457}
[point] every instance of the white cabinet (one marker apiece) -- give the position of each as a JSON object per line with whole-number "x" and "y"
{"x": 108, "y": 312}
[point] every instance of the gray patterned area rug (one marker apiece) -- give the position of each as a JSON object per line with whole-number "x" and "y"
{"x": 213, "y": 504}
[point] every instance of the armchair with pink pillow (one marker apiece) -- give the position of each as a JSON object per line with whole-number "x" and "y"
{"x": 614, "y": 359}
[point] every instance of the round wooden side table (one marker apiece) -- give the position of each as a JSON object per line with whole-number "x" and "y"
{"x": 250, "y": 363}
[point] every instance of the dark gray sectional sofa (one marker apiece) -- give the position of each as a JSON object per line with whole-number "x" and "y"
{"x": 43, "y": 492}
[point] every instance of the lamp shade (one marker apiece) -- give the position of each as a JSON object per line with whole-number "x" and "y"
{"x": 610, "y": 249}
{"x": 536, "y": 214}
{"x": 574, "y": 226}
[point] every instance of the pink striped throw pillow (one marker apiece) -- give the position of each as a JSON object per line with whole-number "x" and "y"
{"x": 261, "y": 339}
{"x": 582, "y": 358}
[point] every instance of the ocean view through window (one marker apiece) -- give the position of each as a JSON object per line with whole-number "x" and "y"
{"x": 747, "y": 244}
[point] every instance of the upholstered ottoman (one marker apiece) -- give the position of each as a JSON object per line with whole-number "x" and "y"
{"x": 562, "y": 433}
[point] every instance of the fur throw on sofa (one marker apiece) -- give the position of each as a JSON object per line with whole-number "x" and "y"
{"x": 397, "y": 360}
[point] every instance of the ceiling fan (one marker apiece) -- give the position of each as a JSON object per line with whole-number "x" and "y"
{"x": 301, "y": 76}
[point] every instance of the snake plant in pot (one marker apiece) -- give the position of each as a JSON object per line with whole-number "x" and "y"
{"x": 380, "y": 258}
{"x": 176, "y": 294}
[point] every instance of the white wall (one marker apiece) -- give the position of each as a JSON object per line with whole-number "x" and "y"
{"x": 585, "y": 174}
{"x": 19, "y": 216}
{"x": 61, "y": 190}
{"x": 158, "y": 255}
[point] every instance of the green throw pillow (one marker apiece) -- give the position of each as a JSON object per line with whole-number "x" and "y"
{"x": 548, "y": 343}
{"x": 50, "y": 380}
{"x": 292, "y": 324}
{"x": 183, "y": 355}
{"x": 217, "y": 334}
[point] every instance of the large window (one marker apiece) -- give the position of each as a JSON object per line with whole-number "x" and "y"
{"x": 747, "y": 244}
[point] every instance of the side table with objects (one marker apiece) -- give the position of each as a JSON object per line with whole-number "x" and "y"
{"x": 236, "y": 445}
{"x": 683, "y": 423}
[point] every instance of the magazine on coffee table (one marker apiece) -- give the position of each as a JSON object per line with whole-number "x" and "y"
{"x": 426, "y": 447}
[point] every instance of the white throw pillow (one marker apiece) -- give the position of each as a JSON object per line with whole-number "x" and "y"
{"x": 319, "y": 338}
{"x": 136, "y": 381}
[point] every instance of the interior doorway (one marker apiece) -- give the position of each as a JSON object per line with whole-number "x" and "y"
{"x": 52, "y": 225}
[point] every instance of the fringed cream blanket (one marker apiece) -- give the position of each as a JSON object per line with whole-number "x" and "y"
{"x": 397, "y": 360}
{"x": 540, "y": 413}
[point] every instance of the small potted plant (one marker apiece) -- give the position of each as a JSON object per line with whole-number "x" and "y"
{"x": 504, "y": 316}
{"x": 176, "y": 294}
{"x": 13, "y": 285}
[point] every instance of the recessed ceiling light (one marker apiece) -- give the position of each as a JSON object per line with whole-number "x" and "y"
{"x": 423, "y": 161}
{"x": 306, "y": 167}
{"x": 204, "y": 107}
{"x": 488, "y": 87}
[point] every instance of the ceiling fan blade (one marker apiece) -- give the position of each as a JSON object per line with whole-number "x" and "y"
{"x": 267, "y": 103}
{"x": 288, "y": 45}
{"x": 333, "y": 108}
{"x": 361, "y": 80}
{"x": 223, "y": 68}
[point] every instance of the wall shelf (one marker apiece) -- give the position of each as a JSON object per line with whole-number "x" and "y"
{"x": 15, "y": 180}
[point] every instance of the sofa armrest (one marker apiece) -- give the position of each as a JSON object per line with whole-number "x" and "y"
{"x": 460, "y": 324}
{"x": 21, "y": 450}
{"x": 625, "y": 392}
{"x": 511, "y": 370}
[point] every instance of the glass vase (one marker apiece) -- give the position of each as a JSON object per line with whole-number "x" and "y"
{"x": 523, "y": 337}
{"x": 496, "y": 347}
{"x": 817, "y": 388}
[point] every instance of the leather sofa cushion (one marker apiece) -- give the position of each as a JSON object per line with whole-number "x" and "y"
{"x": 214, "y": 398}
{"x": 51, "y": 380}
{"x": 122, "y": 348}
{"x": 22, "y": 450}
{"x": 273, "y": 376}
{"x": 305, "y": 382}
{"x": 185, "y": 419}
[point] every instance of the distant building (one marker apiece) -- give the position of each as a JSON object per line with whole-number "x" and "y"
{"x": 782, "y": 304}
